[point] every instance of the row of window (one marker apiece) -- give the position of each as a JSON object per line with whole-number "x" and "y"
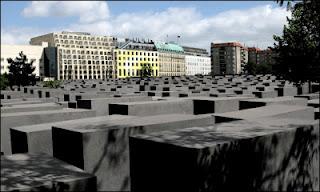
{"x": 83, "y": 43}
{"x": 87, "y": 77}
{"x": 138, "y": 53}
{"x": 81, "y": 47}
{"x": 124, "y": 72}
{"x": 86, "y": 62}
{"x": 137, "y": 64}
{"x": 68, "y": 51}
{"x": 141, "y": 59}
{"x": 90, "y": 38}
{"x": 84, "y": 57}
{"x": 85, "y": 67}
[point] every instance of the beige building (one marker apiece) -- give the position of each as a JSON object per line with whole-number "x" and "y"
{"x": 81, "y": 55}
{"x": 228, "y": 58}
{"x": 33, "y": 52}
{"x": 171, "y": 59}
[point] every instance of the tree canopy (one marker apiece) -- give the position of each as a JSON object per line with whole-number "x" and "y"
{"x": 4, "y": 81}
{"x": 298, "y": 47}
{"x": 20, "y": 71}
{"x": 146, "y": 70}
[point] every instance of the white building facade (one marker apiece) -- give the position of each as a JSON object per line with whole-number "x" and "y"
{"x": 198, "y": 65}
{"x": 33, "y": 52}
{"x": 81, "y": 55}
{"x": 197, "y": 61}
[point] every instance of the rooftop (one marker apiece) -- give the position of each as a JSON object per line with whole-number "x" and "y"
{"x": 170, "y": 47}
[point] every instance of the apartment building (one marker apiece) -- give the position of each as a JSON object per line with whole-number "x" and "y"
{"x": 78, "y": 55}
{"x": 253, "y": 54}
{"x": 228, "y": 58}
{"x": 258, "y": 56}
{"x": 132, "y": 55}
{"x": 265, "y": 56}
{"x": 33, "y": 52}
{"x": 171, "y": 59}
{"x": 197, "y": 61}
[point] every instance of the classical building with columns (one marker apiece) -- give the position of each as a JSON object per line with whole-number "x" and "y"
{"x": 171, "y": 59}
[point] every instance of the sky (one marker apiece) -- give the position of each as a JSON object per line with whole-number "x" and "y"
{"x": 198, "y": 23}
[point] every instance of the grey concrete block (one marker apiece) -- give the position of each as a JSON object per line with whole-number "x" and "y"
{"x": 259, "y": 157}
{"x": 314, "y": 103}
{"x": 9, "y": 120}
{"x": 204, "y": 105}
{"x": 287, "y": 100}
{"x": 30, "y": 107}
{"x": 102, "y": 148}
{"x": 38, "y": 138}
{"x": 101, "y": 105}
{"x": 148, "y": 108}
{"x": 40, "y": 172}
{"x": 279, "y": 111}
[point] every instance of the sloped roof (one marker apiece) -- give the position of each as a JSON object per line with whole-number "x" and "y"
{"x": 170, "y": 47}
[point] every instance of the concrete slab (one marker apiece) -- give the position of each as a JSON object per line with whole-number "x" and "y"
{"x": 38, "y": 138}
{"x": 9, "y": 120}
{"x": 102, "y": 148}
{"x": 279, "y": 111}
{"x": 273, "y": 158}
{"x": 314, "y": 103}
{"x": 258, "y": 102}
{"x": 101, "y": 105}
{"x": 40, "y": 172}
{"x": 148, "y": 108}
{"x": 31, "y": 107}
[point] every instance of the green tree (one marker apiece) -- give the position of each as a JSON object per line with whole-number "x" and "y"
{"x": 263, "y": 69}
{"x": 20, "y": 71}
{"x": 146, "y": 70}
{"x": 298, "y": 48}
{"x": 51, "y": 84}
{"x": 250, "y": 68}
{"x": 4, "y": 82}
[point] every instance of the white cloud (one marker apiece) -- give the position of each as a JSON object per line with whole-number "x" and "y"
{"x": 254, "y": 26}
{"x": 87, "y": 11}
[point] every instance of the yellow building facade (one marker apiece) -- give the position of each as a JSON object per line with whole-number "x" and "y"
{"x": 130, "y": 61}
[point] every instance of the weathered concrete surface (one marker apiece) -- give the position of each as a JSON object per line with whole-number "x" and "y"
{"x": 148, "y": 108}
{"x": 102, "y": 148}
{"x": 204, "y": 105}
{"x": 256, "y": 157}
{"x": 280, "y": 111}
{"x": 40, "y": 172}
{"x": 309, "y": 96}
{"x": 314, "y": 103}
{"x": 9, "y": 120}
{"x": 287, "y": 100}
{"x": 101, "y": 105}
{"x": 38, "y": 138}
{"x": 30, "y": 107}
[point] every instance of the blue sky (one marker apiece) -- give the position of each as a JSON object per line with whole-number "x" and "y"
{"x": 198, "y": 23}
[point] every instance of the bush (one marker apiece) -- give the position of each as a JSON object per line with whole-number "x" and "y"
{"x": 51, "y": 84}
{"x": 4, "y": 82}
